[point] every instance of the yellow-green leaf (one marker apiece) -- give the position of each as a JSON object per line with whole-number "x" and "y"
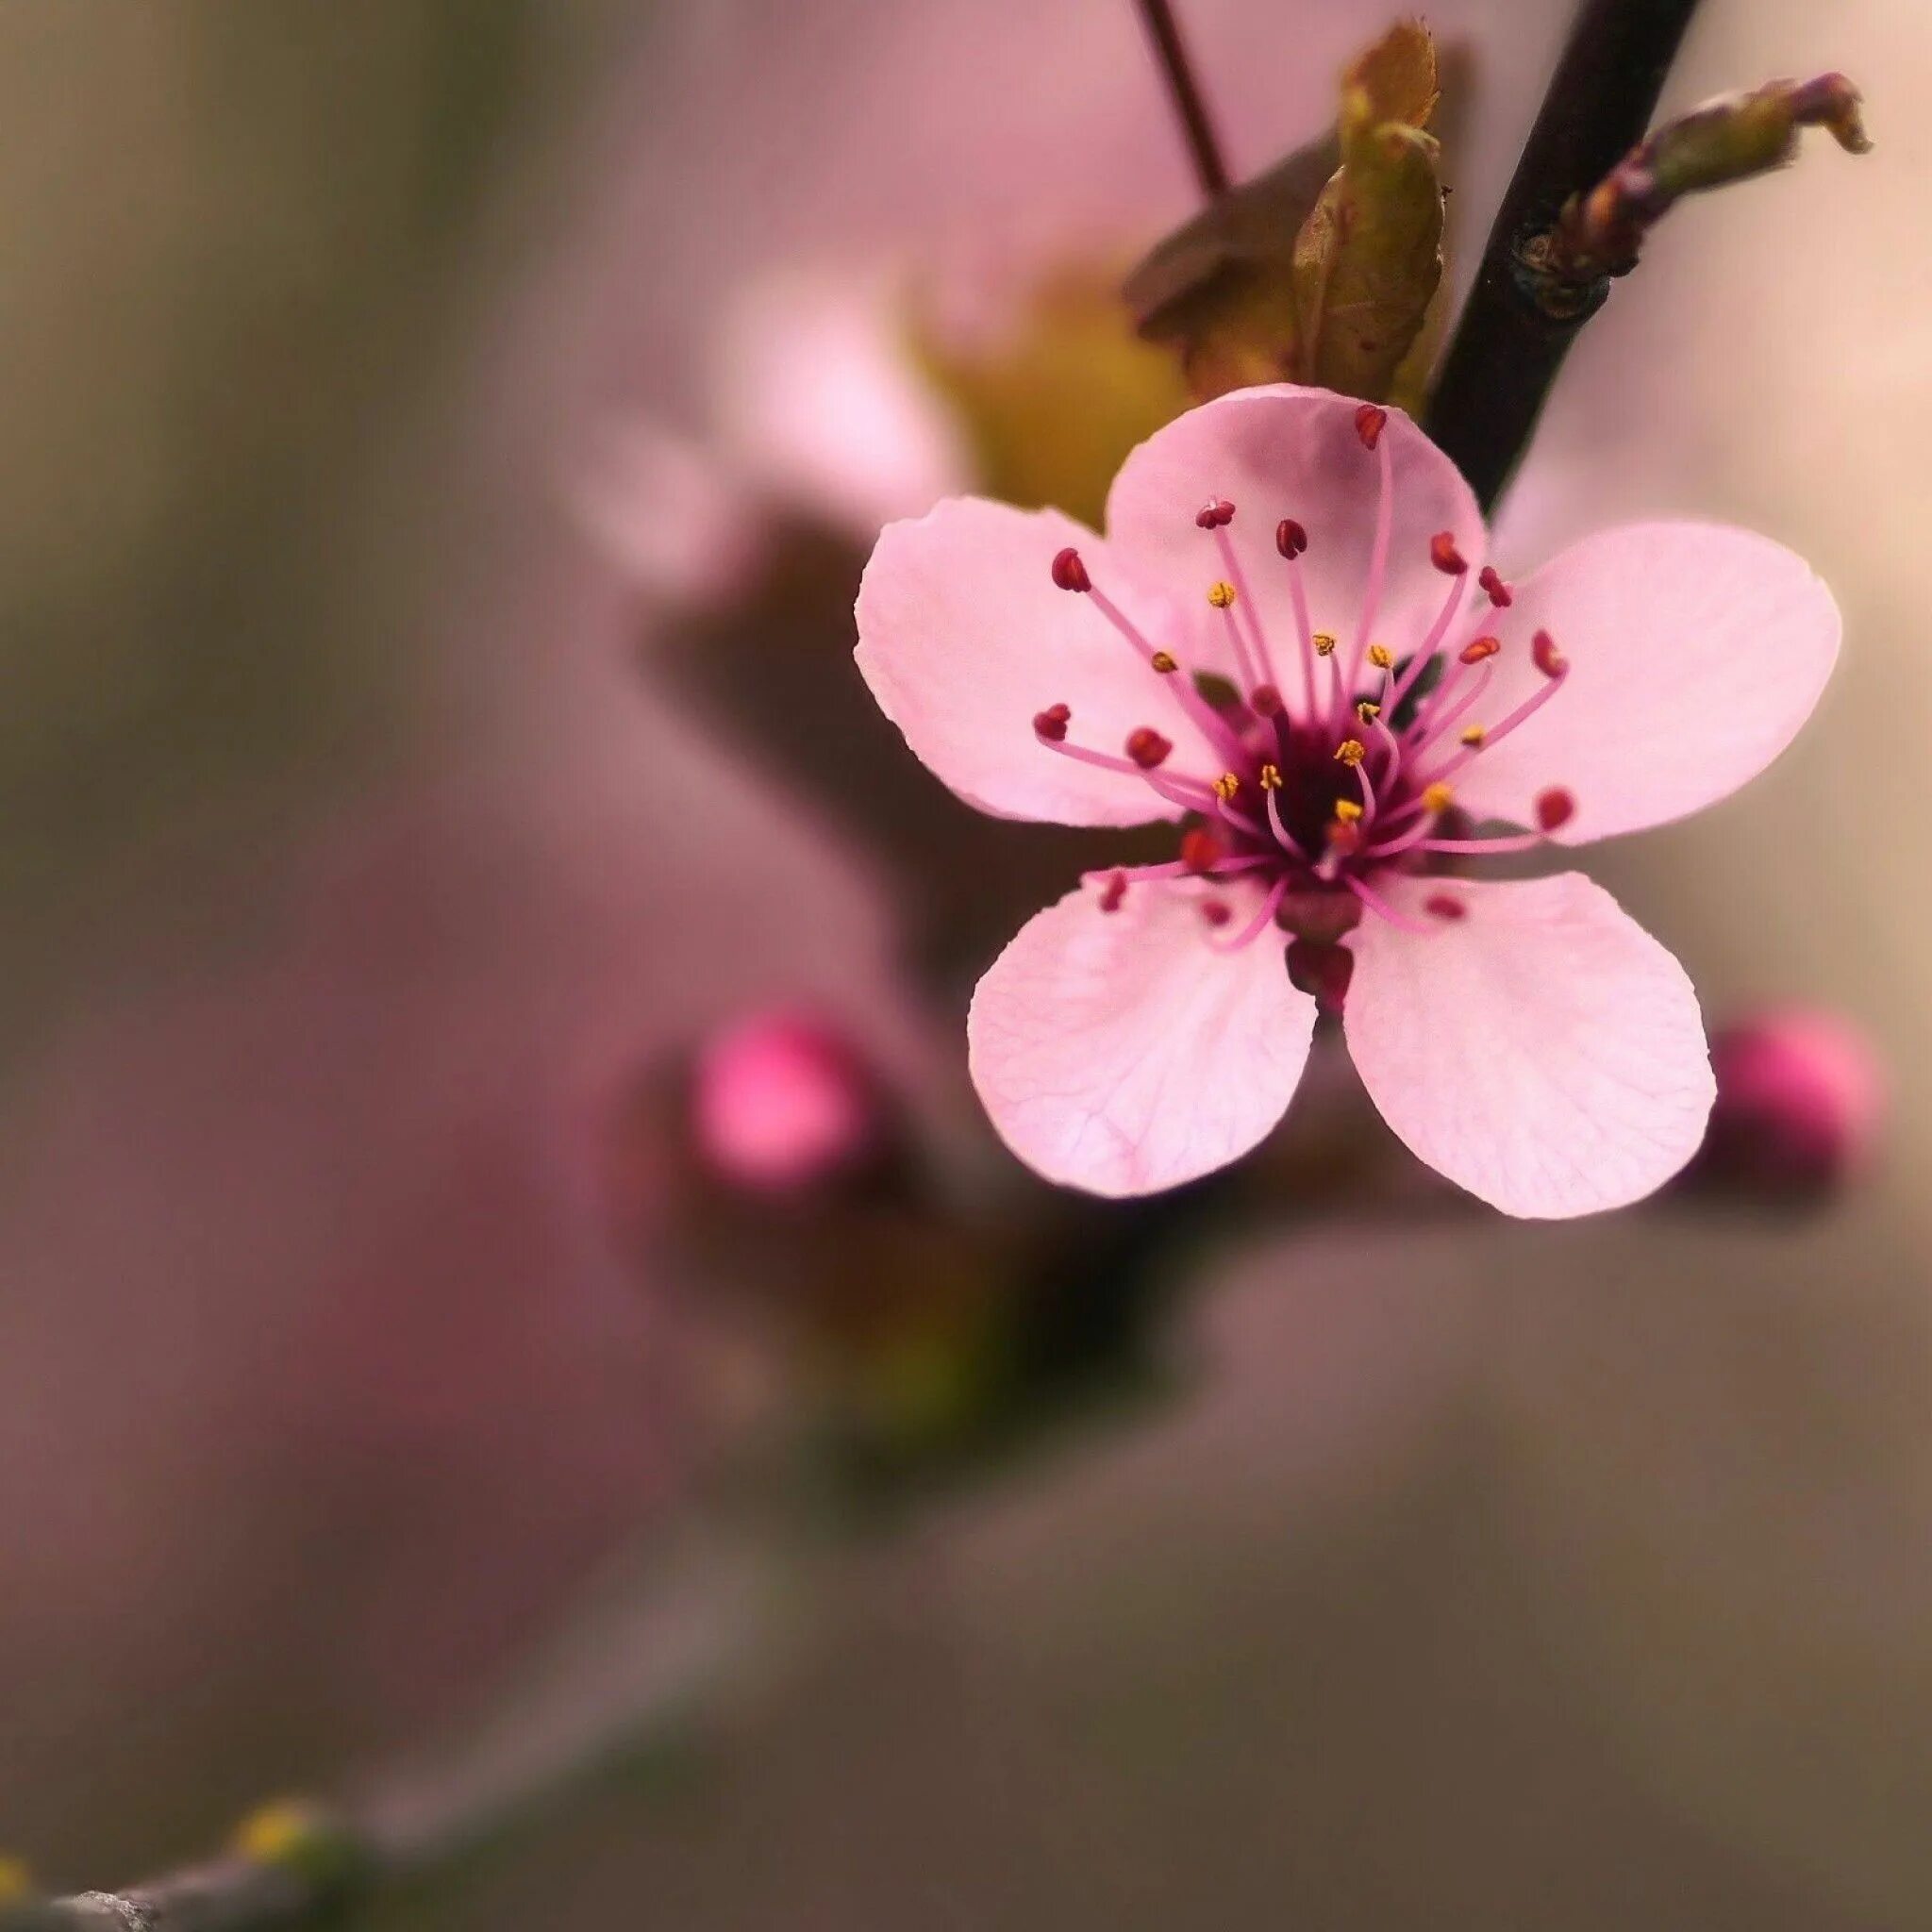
{"x": 1369, "y": 256}
{"x": 1398, "y": 76}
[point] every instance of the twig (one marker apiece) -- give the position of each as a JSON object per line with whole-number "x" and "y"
{"x": 624, "y": 1681}
{"x": 1511, "y": 342}
{"x": 1211, "y": 168}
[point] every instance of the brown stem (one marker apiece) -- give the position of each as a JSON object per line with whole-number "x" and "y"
{"x": 1164, "y": 31}
{"x": 1512, "y": 339}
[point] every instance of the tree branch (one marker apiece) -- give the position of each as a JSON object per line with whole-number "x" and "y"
{"x": 622, "y": 1682}
{"x": 1512, "y": 336}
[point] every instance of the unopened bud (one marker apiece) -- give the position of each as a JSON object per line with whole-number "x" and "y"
{"x": 781, "y": 1103}
{"x": 1800, "y": 1105}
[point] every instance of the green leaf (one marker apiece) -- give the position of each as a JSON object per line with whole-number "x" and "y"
{"x": 1369, "y": 256}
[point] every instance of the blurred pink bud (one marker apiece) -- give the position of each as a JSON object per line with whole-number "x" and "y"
{"x": 782, "y": 1103}
{"x": 1800, "y": 1102}
{"x": 676, "y": 522}
{"x": 823, "y": 405}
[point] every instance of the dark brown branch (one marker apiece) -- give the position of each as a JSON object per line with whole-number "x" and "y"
{"x": 1513, "y": 335}
{"x": 1163, "y": 30}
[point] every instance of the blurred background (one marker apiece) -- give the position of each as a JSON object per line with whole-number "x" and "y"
{"x": 441, "y": 437}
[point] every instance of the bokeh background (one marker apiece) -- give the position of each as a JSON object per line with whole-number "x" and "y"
{"x": 374, "y": 816}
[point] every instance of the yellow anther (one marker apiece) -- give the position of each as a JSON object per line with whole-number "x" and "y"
{"x": 1347, "y": 810}
{"x": 1226, "y": 786}
{"x": 1367, "y": 710}
{"x": 1221, "y": 595}
{"x": 1437, "y": 797}
{"x": 1351, "y": 751}
{"x": 1325, "y": 643}
{"x": 16, "y": 1881}
{"x": 1381, "y": 656}
{"x": 1474, "y": 734}
{"x": 1164, "y": 662}
{"x": 278, "y": 1833}
{"x": 1269, "y": 777}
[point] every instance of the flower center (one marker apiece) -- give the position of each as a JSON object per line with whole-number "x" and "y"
{"x": 1319, "y": 794}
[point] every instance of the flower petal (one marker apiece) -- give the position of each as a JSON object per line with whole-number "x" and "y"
{"x": 1118, "y": 1052}
{"x": 963, "y": 638}
{"x": 1696, "y": 652}
{"x": 1543, "y": 1050}
{"x": 1289, "y": 452}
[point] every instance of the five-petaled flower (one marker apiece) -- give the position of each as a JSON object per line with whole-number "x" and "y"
{"x": 1379, "y": 695}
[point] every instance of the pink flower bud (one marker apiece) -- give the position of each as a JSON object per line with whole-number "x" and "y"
{"x": 1799, "y": 1102}
{"x": 780, "y": 1102}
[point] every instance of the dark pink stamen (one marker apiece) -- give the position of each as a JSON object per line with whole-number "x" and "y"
{"x": 1201, "y": 851}
{"x": 1069, "y": 573}
{"x": 1554, "y": 807}
{"x": 1321, "y": 848}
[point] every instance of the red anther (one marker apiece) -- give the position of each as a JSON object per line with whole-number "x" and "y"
{"x": 1344, "y": 839}
{"x": 1069, "y": 573}
{"x": 1216, "y": 911}
{"x": 1369, "y": 424}
{"x": 1113, "y": 891}
{"x": 1499, "y": 594}
{"x": 1444, "y": 554}
{"x": 1554, "y": 807}
{"x": 1290, "y": 538}
{"x": 1546, "y": 656}
{"x": 1482, "y": 647}
{"x": 1215, "y": 514}
{"x": 1446, "y": 905}
{"x": 1201, "y": 851}
{"x": 1052, "y": 722}
{"x": 1265, "y": 701}
{"x": 1147, "y": 748}
{"x": 1321, "y": 972}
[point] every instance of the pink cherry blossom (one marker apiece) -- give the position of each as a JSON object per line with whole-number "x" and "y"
{"x": 1381, "y": 697}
